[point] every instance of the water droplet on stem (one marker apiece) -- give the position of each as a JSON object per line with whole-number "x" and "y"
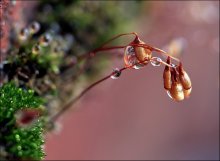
{"x": 116, "y": 73}
{"x": 130, "y": 57}
{"x": 156, "y": 61}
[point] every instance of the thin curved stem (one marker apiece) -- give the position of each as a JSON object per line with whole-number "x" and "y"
{"x": 103, "y": 48}
{"x": 92, "y": 53}
{"x": 117, "y": 36}
{"x": 165, "y": 53}
{"x": 68, "y": 105}
{"x": 164, "y": 63}
{"x": 109, "y": 48}
{"x": 155, "y": 49}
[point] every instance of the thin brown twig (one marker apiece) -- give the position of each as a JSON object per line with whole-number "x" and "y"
{"x": 68, "y": 105}
{"x": 156, "y": 49}
{"x": 102, "y": 48}
{"x": 117, "y": 36}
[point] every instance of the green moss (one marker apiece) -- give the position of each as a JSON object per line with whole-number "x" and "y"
{"x": 19, "y": 142}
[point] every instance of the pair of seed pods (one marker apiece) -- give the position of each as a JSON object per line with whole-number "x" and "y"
{"x": 176, "y": 81}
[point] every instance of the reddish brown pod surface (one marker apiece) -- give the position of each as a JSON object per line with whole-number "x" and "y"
{"x": 142, "y": 53}
{"x": 177, "y": 82}
{"x": 184, "y": 78}
{"x": 167, "y": 76}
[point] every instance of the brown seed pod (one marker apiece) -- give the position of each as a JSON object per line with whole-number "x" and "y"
{"x": 176, "y": 91}
{"x": 141, "y": 52}
{"x": 167, "y": 76}
{"x": 184, "y": 78}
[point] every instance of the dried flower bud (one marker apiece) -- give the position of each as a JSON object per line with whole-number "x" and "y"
{"x": 184, "y": 78}
{"x": 167, "y": 76}
{"x": 141, "y": 52}
{"x": 176, "y": 91}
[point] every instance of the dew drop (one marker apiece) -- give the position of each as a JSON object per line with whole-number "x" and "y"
{"x": 130, "y": 57}
{"x": 168, "y": 93}
{"x": 34, "y": 27}
{"x": 173, "y": 65}
{"x": 156, "y": 61}
{"x": 116, "y": 73}
{"x": 138, "y": 66}
{"x": 23, "y": 35}
{"x": 35, "y": 49}
{"x": 45, "y": 40}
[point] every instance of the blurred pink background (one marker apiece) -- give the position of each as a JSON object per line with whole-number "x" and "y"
{"x": 132, "y": 117}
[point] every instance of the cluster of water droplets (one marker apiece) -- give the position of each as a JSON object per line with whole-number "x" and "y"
{"x": 25, "y": 33}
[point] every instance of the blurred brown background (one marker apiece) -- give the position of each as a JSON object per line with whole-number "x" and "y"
{"x": 132, "y": 117}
